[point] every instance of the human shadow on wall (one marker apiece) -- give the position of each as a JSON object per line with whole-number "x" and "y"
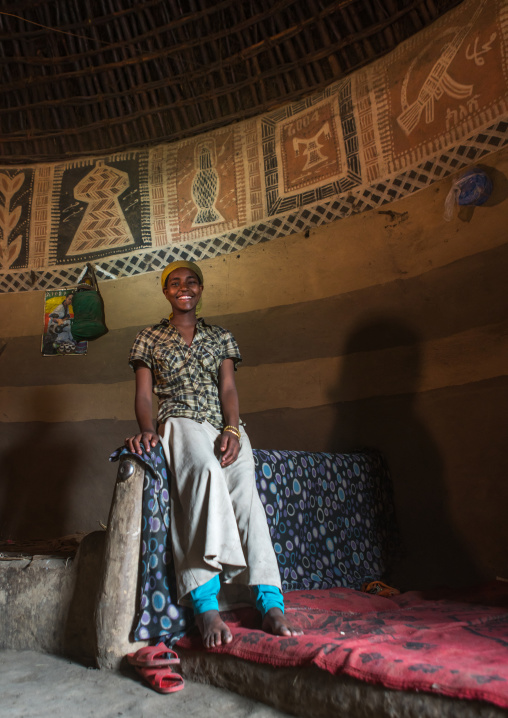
{"x": 39, "y": 467}
{"x": 379, "y": 406}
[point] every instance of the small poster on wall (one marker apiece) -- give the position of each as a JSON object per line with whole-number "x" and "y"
{"x": 57, "y": 339}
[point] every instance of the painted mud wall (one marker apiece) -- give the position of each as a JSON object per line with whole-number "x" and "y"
{"x": 386, "y": 329}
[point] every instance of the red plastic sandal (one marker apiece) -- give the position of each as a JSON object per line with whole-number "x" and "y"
{"x": 378, "y": 588}
{"x": 154, "y": 657}
{"x": 162, "y": 680}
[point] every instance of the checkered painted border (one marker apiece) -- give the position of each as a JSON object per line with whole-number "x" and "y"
{"x": 358, "y": 199}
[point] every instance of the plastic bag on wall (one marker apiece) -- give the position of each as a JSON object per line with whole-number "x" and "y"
{"x": 472, "y": 187}
{"x": 89, "y": 321}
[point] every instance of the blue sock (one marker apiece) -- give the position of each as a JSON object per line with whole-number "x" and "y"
{"x": 204, "y": 597}
{"x": 268, "y": 597}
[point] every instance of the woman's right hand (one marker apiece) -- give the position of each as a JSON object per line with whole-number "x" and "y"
{"x": 147, "y": 439}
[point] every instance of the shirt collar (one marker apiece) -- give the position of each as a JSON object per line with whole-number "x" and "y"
{"x": 200, "y": 325}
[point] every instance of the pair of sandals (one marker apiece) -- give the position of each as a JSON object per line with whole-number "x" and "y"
{"x": 155, "y": 665}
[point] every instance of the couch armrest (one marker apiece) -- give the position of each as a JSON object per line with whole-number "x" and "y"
{"x": 116, "y": 604}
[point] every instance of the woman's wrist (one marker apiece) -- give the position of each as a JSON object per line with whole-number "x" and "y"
{"x": 230, "y": 429}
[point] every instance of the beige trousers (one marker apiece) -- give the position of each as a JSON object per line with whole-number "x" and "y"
{"x": 218, "y": 523}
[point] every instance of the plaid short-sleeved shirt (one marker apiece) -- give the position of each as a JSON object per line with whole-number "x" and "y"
{"x": 186, "y": 379}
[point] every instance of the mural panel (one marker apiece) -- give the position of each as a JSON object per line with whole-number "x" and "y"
{"x": 16, "y": 201}
{"x": 99, "y": 209}
{"x": 204, "y": 179}
{"x": 311, "y": 150}
{"x": 453, "y": 84}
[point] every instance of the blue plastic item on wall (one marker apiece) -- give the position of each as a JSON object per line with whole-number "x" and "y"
{"x": 472, "y": 187}
{"x": 475, "y": 187}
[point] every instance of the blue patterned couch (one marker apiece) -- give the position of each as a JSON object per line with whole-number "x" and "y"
{"x": 331, "y": 518}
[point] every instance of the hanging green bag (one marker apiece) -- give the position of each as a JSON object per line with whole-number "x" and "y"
{"x": 89, "y": 321}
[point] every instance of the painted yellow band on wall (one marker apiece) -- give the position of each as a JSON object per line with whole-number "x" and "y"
{"x": 468, "y": 357}
{"x": 68, "y": 402}
{"x": 464, "y": 358}
{"x": 407, "y": 239}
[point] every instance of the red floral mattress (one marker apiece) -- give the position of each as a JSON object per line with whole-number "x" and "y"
{"x": 451, "y": 643}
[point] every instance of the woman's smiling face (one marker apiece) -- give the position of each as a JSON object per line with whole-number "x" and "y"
{"x": 183, "y": 290}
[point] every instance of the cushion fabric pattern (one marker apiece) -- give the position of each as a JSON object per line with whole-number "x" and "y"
{"x": 331, "y": 516}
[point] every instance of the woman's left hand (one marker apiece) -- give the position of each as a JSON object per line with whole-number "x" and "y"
{"x": 230, "y": 448}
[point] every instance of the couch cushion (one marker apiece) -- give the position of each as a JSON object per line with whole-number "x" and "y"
{"x": 331, "y": 516}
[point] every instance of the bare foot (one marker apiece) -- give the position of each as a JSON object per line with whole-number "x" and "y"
{"x": 213, "y": 629}
{"x": 275, "y": 622}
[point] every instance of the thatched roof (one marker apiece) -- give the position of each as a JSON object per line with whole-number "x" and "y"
{"x": 96, "y": 76}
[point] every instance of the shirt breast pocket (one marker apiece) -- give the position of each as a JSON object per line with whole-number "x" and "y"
{"x": 168, "y": 360}
{"x": 208, "y": 357}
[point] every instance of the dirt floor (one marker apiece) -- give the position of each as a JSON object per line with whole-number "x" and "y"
{"x": 36, "y": 685}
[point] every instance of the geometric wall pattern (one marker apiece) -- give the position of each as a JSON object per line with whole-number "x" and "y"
{"x": 437, "y": 103}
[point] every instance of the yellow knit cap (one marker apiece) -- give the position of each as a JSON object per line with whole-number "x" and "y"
{"x": 188, "y": 265}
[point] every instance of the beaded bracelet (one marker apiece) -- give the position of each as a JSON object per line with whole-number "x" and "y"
{"x": 233, "y": 430}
